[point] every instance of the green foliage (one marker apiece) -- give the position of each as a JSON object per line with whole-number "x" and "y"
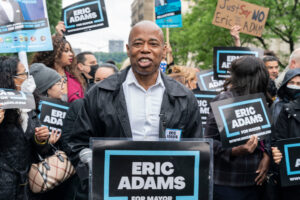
{"x": 54, "y": 8}
{"x": 198, "y": 36}
{"x": 117, "y": 57}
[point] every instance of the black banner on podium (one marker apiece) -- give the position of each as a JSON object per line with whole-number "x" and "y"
{"x": 150, "y": 170}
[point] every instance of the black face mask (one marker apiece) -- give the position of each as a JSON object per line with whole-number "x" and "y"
{"x": 292, "y": 93}
{"x": 93, "y": 70}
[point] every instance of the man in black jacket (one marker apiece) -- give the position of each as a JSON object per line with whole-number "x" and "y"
{"x": 140, "y": 102}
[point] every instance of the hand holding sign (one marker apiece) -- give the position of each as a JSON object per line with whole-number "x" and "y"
{"x": 2, "y": 112}
{"x": 247, "y": 148}
{"x": 60, "y": 28}
{"x": 277, "y": 155}
{"x": 42, "y": 133}
{"x": 54, "y": 136}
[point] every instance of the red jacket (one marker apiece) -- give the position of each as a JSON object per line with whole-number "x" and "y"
{"x": 75, "y": 90}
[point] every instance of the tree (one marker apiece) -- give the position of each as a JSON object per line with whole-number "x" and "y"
{"x": 54, "y": 13}
{"x": 198, "y": 36}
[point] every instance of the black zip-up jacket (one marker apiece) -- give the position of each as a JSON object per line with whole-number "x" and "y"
{"x": 18, "y": 150}
{"x": 104, "y": 113}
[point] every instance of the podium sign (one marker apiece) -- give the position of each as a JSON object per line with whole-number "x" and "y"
{"x": 150, "y": 170}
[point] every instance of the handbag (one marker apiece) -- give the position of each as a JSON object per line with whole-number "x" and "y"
{"x": 50, "y": 172}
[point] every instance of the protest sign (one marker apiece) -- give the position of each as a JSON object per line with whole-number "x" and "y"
{"x": 85, "y": 16}
{"x": 206, "y": 81}
{"x": 240, "y": 117}
{"x": 151, "y": 170}
{"x": 168, "y": 13}
{"x": 223, "y": 57}
{"x": 24, "y": 26}
{"x": 250, "y": 17}
{"x": 13, "y": 99}
{"x": 290, "y": 163}
{"x": 52, "y": 113}
{"x": 204, "y": 98}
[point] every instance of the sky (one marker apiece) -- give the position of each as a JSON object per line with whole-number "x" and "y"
{"x": 119, "y": 20}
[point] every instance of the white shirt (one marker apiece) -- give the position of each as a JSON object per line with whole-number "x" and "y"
{"x": 7, "y": 7}
{"x": 143, "y": 107}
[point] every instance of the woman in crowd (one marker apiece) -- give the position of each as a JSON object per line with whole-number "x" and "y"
{"x": 50, "y": 86}
{"x": 239, "y": 171}
{"x": 62, "y": 59}
{"x": 288, "y": 122}
{"x": 185, "y": 75}
{"x": 20, "y": 135}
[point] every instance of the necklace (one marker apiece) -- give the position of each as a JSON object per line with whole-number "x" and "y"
{"x": 65, "y": 78}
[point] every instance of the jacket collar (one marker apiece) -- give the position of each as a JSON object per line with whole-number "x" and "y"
{"x": 114, "y": 83}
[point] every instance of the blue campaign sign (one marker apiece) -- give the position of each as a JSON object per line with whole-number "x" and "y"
{"x": 168, "y": 13}
{"x": 240, "y": 117}
{"x": 290, "y": 164}
{"x": 151, "y": 169}
{"x": 24, "y": 26}
{"x": 224, "y": 56}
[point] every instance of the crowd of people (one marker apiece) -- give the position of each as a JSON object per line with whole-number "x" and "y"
{"x": 142, "y": 103}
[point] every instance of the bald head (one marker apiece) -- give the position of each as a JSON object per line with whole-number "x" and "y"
{"x": 146, "y": 48}
{"x": 146, "y": 25}
{"x": 294, "y": 61}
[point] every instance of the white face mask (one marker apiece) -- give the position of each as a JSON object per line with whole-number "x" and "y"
{"x": 28, "y": 85}
{"x": 294, "y": 87}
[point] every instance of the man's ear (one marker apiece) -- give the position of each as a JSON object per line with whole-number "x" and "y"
{"x": 165, "y": 51}
{"x": 80, "y": 66}
{"x": 292, "y": 65}
{"x": 127, "y": 49}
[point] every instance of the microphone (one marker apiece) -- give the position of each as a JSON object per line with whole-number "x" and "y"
{"x": 85, "y": 156}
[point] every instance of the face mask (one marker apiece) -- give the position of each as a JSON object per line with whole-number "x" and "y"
{"x": 28, "y": 85}
{"x": 64, "y": 98}
{"x": 93, "y": 70}
{"x": 293, "y": 91}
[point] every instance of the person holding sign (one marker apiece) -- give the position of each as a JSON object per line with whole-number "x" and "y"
{"x": 62, "y": 59}
{"x": 20, "y": 135}
{"x": 140, "y": 102}
{"x": 287, "y": 124}
{"x": 238, "y": 171}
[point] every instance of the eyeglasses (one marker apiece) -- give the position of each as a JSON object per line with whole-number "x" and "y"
{"x": 23, "y": 75}
{"x": 60, "y": 83}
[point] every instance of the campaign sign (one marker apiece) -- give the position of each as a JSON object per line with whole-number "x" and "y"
{"x": 13, "y": 99}
{"x": 250, "y": 17}
{"x": 53, "y": 113}
{"x": 204, "y": 98}
{"x": 290, "y": 163}
{"x": 223, "y": 57}
{"x": 168, "y": 13}
{"x": 241, "y": 117}
{"x": 151, "y": 170}
{"x": 84, "y": 16}
{"x": 24, "y": 26}
{"x": 206, "y": 81}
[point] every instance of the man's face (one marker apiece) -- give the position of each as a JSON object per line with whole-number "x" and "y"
{"x": 146, "y": 49}
{"x": 273, "y": 69}
{"x": 85, "y": 67}
{"x": 102, "y": 73}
